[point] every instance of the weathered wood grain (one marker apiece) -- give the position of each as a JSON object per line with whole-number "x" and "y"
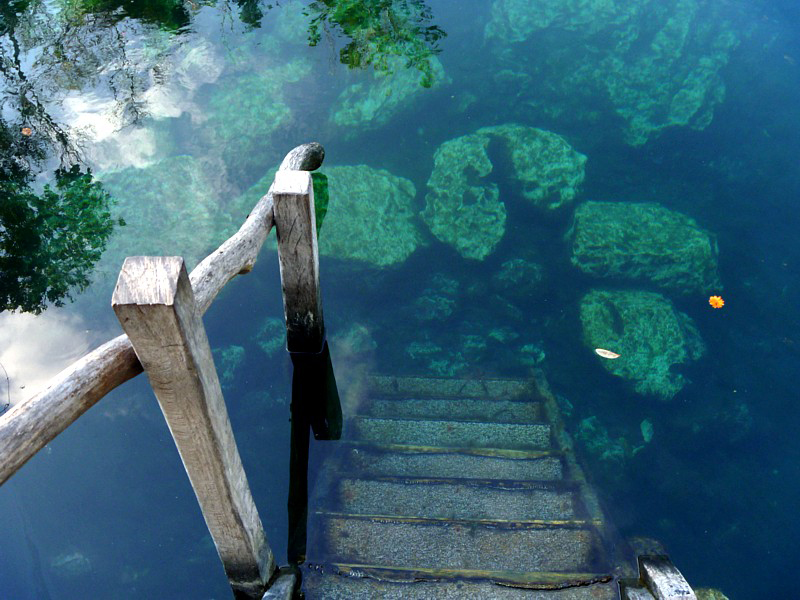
{"x": 298, "y": 255}
{"x": 155, "y": 305}
{"x": 28, "y": 426}
{"x": 663, "y": 579}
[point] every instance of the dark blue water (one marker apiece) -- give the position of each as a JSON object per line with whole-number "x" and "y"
{"x": 180, "y": 111}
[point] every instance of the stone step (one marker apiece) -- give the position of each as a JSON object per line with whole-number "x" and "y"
{"x": 448, "y": 433}
{"x": 423, "y": 461}
{"x": 462, "y": 409}
{"x": 456, "y": 544}
{"x": 356, "y": 582}
{"x": 455, "y": 499}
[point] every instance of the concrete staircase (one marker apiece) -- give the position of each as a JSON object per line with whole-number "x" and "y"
{"x": 456, "y": 489}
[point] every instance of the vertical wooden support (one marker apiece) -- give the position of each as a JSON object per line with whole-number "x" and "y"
{"x": 154, "y": 303}
{"x": 295, "y": 224}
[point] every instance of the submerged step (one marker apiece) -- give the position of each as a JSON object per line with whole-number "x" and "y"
{"x": 452, "y": 433}
{"x": 438, "y": 498}
{"x": 410, "y": 461}
{"x": 465, "y": 409}
{"x": 424, "y": 543}
{"x": 329, "y": 586}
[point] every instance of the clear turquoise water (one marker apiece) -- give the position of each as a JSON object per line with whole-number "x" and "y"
{"x": 106, "y": 511}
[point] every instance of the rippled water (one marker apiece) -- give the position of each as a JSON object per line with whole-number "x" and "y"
{"x": 489, "y": 168}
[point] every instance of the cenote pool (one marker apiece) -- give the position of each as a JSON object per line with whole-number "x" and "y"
{"x": 512, "y": 183}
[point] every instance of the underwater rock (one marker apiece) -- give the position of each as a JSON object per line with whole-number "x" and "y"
{"x": 469, "y": 217}
{"x": 594, "y": 437}
{"x": 271, "y": 336}
{"x": 382, "y": 94}
{"x": 709, "y": 594}
{"x": 548, "y": 169}
{"x": 170, "y": 208}
{"x": 439, "y": 300}
{"x": 370, "y": 216}
{"x": 656, "y": 63}
{"x": 648, "y": 332}
{"x": 464, "y": 209}
{"x": 644, "y": 242}
{"x": 518, "y": 279}
{"x": 228, "y": 359}
{"x": 246, "y": 112}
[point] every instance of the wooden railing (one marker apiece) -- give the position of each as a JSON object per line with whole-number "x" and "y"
{"x": 160, "y": 308}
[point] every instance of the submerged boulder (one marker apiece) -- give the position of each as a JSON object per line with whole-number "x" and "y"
{"x": 381, "y": 94}
{"x": 646, "y": 242}
{"x": 648, "y": 333}
{"x": 463, "y": 207}
{"x": 460, "y": 209}
{"x": 657, "y": 63}
{"x": 370, "y": 216}
{"x": 170, "y": 208}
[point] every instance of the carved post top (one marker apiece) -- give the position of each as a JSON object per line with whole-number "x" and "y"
{"x": 149, "y": 280}
{"x": 292, "y": 182}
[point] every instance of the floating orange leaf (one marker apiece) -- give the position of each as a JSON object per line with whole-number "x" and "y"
{"x": 26, "y": 131}
{"x": 716, "y": 301}
{"x": 606, "y": 353}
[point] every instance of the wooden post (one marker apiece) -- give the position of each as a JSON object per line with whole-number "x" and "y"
{"x": 153, "y": 301}
{"x": 663, "y": 579}
{"x": 295, "y": 224}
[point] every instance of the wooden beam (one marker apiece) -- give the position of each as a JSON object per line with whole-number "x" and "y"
{"x": 31, "y": 424}
{"x": 663, "y": 579}
{"x": 155, "y": 305}
{"x": 298, "y": 254}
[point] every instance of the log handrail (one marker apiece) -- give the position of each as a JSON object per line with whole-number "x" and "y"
{"x": 28, "y": 426}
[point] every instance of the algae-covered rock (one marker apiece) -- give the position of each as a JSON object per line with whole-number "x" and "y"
{"x": 645, "y": 242}
{"x": 657, "y": 63}
{"x": 463, "y": 207}
{"x": 170, "y": 209}
{"x": 597, "y": 441}
{"x": 648, "y": 333}
{"x": 271, "y": 336}
{"x": 381, "y": 94}
{"x": 518, "y": 279}
{"x": 709, "y": 594}
{"x": 545, "y": 165}
{"x": 460, "y": 210}
{"x": 362, "y": 214}
{"x": 439, "y": 300}
{"x": 228, "y": 359}
{"x": 246, "y": 112}
{"x": 370, "y": 216}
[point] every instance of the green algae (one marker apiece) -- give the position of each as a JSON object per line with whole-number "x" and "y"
{"x": 644, "y": 242}
{"x": 657, "y": 63}
{"x": 463, "y": 208}
{"x": 648, "y": 333}
{"x": 170, "y": 208}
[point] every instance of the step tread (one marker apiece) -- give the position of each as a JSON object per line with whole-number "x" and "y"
{"x": 509, "y": 411}
{"x": 458, "y": 544}
{"x": 450, "y": 433}
{"x": 457, "y": 498}
{"x": 334, "y": 587}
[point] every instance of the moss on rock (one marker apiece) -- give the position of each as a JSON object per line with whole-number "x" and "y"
{"x": 648, "y": 333}
{"x": 646, "y": 242}
{"x": 463, "y": 208}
